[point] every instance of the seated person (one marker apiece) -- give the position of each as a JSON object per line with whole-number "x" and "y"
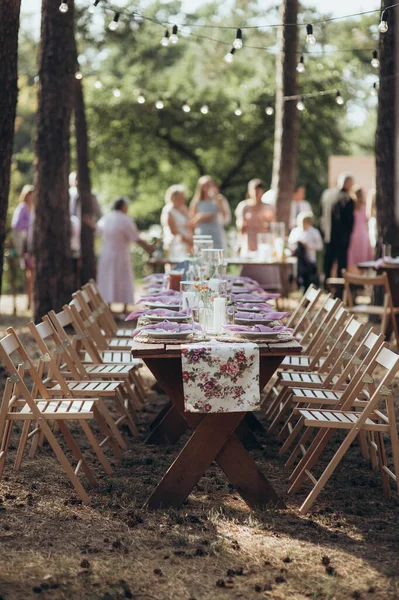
{"x": 303, "y": 242}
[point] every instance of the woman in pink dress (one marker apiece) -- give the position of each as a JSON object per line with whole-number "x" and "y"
{"x": 115, "y": 269}
{"x": 360, "y": 249}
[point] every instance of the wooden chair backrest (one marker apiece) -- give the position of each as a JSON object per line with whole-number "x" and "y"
{"x": 322, "y": 321}
{"x": 340, "y": 358}
{"x": 90, "y": 320}
{"x": 305, "y": 306}
{"x": 83, "y": 340}
{"x": 106, "y": 320}
{"x": 366, "y": 280}
{"x": 60, "y": 321}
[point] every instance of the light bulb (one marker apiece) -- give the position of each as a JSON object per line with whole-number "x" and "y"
{"x": 98, "y": 85}
{"x": 204, "y": 109}
{"x": 301, "y": 65}
{"x": 383, "y": 26}
{"x": 238, "y": 111}
{"x": 165, "y": 39}
{"x": 159, "y": 104}
{"x": 78, "y": 75}
{"x": 374, "y": 90}
{"x": 269, "y": 110}
{"x": 237, "y": 44}
{"x": 300, "y": 104}
{"x": 116, "y": 93}
{"x": 113, "y": 26}
{"x": 374, "y": 61}
{"x": 92, "y": 8}
{"x": 310, "y": 38}
{"x": 140, "y": 99}
{"x": 138, "y": 17}
{"x": 229, "y": 56}
{"x": 338, "y": 98}
{"x": 186, "y": 107}
{"x": 63, "y": 7}
{"x": 174, "y": 38}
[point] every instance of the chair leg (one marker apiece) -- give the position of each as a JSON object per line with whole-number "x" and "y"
{"x": 299, "y": 448}
{"x": 309, "y": 460}
{"x": 111, "y": 424}
{"x": 124, "y": 412}
{"x": 22, "y": 444}
{"x": 284, "y": 408}
{"x": 76, "y": 451}
{"x": 394, "y": 439}
{"x": 4, "y": 445}
{"x": 109, "y": 438}
{"x": 290, "y": 439}
{"x": 96, "y": 447}
{"x": 382, "y": 462}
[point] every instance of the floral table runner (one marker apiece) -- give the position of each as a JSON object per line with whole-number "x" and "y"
{"x": 221, "y": 377}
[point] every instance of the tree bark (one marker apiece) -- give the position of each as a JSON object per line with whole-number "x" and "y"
{"x": 84, "y": 187}
{"x": 385, "y": 142}
{"x": 286, "y": 122}
{"x": 9, "y": 25}
{"x": 52, "y": 233}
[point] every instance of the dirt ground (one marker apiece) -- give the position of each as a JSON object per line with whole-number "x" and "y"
{"x": 212, "y": 548}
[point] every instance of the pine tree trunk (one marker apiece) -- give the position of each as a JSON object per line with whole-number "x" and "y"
{"x": 286, "y": 123}
{"x": 54, "y": 270}
{"x": 9, "y": 25}
{"x": 84, "y": 186}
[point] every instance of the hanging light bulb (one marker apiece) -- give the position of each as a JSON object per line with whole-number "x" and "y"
{"x": 113, "y": 26}
{"x": 374, "y": 61}
{"x": 310, "y": 38}
{"x": 159, "y": 104}
{"x": 338, "y": 98}
{"x": 140, "y": 99}
{"x": 92, "y": 8}
{"x": 186, "y": 107}
{"x": 116, "y": 93}
{"x": 374, "y": 89}
{"x": 269, "y": 110}
{"x": 165, "y": 39}
{"x": 238, "y": 111}
{"x": 301, "y": 65}
{"x": 383, "y": 26}
{"x": 63, "y": 8}
{"x": 237, "y": 44}
{"x": 229, "y": 56}
{"x": 78, "y": 75}
{"x": 98, "y": 85}
{"x": 204, "y": 109}
{"x": 138, "y": 17}
{"x": 301, "y": 104}
{"x": 174, "y": 38}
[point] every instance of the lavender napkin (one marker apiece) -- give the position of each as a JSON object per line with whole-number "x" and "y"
{"x": 269, "y": 315}
{"x": 260, "y": 328}
{"x": 249, "y": 297}
{"x": 159, "y": 312}
{"x": 167, "y": 326}
{"x": 242, "y": 289}
{"x": 168, "y": 300}
{"x": 238, "y": 278}
{"x": 162, "y": 293}
{"x": 261, "y": 307}
{"x": 154, "y": 277}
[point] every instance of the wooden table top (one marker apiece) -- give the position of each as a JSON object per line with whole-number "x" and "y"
{"x": 371, "y": 265}
{"x": 142, "y": 350}
{"x": 289, "y": 262}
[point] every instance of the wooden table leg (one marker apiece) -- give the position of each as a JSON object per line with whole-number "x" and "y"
{"x": 160, "y": 415}
{"x": 169, "y": 429}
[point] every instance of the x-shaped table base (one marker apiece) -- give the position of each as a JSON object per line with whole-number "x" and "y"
{"x": 213, "y": 439}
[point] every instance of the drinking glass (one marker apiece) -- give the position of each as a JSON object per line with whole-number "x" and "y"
{"x": 386, "y": 250}
{"x": 189, "y": 295}
{"x": 175, "y": 278}
{"x": 199, "y": 244}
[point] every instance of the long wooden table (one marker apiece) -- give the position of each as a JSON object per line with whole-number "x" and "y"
{"x": 214, "y": 435}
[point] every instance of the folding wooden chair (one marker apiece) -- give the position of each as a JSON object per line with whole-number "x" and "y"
{"x": 305, "y": 308}
{"x": 106, "y": 318}
{"x": 369, "y": 420}
{"x": 386, "y": 312}
{"x": 19, "y": 404}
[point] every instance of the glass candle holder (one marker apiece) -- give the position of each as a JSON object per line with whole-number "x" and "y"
{"x": 189, "y": 295}
{"x": 201, "y": 243}
{"x": 175, "y": 278}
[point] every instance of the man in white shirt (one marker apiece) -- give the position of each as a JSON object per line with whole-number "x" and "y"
{"x": 298, "y": 205}
{"x": 303, "y": 241}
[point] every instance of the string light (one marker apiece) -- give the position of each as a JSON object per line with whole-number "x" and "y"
{"x": 78, "y": 75}
{"x": 159, "y": 104}
{"x": 383, "y": 26}
{"x": 238, "y": 111}
{"x": 186, "y": 107}
{"x": 116, "y": 93}
{"x": 301, "y": 65}
{"x": 174, "y": 38}
{"x": 237, "y": 44}
{"x": 301, "y": 104}
{"x": 165, "y": 39}
{"x": 63, "y": 8}
{"x": 374, "y": 89}
{"x": 140, "y": 99}
{"x": 138, "y": 17}
{"x": 98, "y": 85}
{"x": 269, "y": 110}
{"x": 374, "y": 61}
{"x": 229, "y": 56}
{"x": 92, "y": 8}
{"x": 338, "y": 98}
{"x": 310, "y": 38}
{"x": 113, "y": 26}
{"x": 204, "y": 109}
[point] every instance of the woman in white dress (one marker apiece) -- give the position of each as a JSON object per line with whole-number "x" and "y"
{"x": 115, "y": 269}
{"x": 175, "y": 220}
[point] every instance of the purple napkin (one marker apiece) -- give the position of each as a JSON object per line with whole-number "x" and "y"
{"x": 163, "y": 293}
{"x": 168, "y": 300}
{"x": 246, "y": 289}
{"x": 248, "y": 297}
{"x": 154, "y": 277}
{"x": 167, "y": 326}
{"x": 260, "y": 328}
{"x": 159, "y": 312}
{"x": 261, "y": 307}
{"x": 270, "y": 315}
{"x": 237, "y": 278}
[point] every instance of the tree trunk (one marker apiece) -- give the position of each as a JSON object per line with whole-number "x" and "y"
{"x": 286, "y": 124}
{"x": 84, "y": 186}
{"x": 9, "y": 25}
{"x": 387, "y": 123}
{"x": 52, "y": 234}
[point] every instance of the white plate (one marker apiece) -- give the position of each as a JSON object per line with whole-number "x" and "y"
{"x": 168, "y": 334}
{"x": 256, "y": 310}
{"x": 162, "y": 305}
{"x": 267, "y": 335}
{"x": 253, "y": 321}
{"x": 176, "y": 318}
{"x": 253, "y": 300}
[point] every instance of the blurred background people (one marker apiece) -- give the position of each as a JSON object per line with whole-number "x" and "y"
{"x": 209, "y": 211}
{"x": 298, "y": 205}
{"x": 360, "y": 249}
{"x": 175, "y": 221}
{"x": 252, "y": 216}
{"x": 21, "y": 225}
{"x": 303, "y": 241}
{"x": 115, "y": 270}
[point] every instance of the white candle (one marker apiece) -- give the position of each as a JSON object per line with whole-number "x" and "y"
{"x": 219, "y": 314}
{"x": 188, "y": 299}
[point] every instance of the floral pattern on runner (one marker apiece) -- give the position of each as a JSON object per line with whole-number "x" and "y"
{"x": 221, "y": 377}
